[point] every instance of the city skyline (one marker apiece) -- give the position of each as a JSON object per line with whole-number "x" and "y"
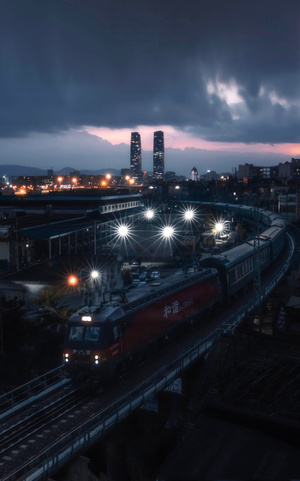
{"x": 221, "y": 82}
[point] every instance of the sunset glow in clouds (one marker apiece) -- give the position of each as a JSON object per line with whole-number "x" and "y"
{"x": 79, "y": 76}
{"x": 177, "y": 139}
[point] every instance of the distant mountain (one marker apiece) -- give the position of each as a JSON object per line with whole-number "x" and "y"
{"x": 17, "y": 170}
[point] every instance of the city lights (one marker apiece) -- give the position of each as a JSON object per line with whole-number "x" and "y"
{"x": 149, "y": 214}
{"x": 123, "y": 230}
{"x": 95, "y": 275}
{"x": 189, "y": 214}
{"x": 73, "y": 281}
{"x": 168, "y": 232}
{"x": 219, "y": 227}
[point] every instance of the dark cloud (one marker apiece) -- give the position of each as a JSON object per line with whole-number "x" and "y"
{"x": 113, "y": 63}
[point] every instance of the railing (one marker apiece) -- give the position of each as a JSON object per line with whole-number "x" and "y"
{"x": 90, "y": 431}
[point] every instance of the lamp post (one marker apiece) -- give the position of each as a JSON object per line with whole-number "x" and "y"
{"x": 95, "y": 277}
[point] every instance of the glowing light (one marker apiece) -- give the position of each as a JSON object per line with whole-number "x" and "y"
{"x": 127, "y": 177}
{"x": 108, "y": 176}
{"x": 123, "y": 231}
{"x": 74, "y": 180}
{"x": 59, "y": 179}
{"x": 103, "y": 183}
{"x": 149, "y": 214}
{"x": 189, "y": 214}
{"x": 73, "y": 280}
{"x": 95, "y": 274}
{"x": 219, "y": 226}
{"x": 177, "y": 187}
{"x": 131, "y": 181}
{"x": 168, "y": 232}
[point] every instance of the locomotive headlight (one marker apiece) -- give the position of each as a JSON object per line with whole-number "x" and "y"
{"x": 96, "y": 359}
{"x": 66, "y": 356}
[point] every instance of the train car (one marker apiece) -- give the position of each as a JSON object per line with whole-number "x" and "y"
{"x": 99, "y": 342}
{"x": 276, "y": 234}
{"x": 266, "y": 217}
{"x": 236, "y": 265}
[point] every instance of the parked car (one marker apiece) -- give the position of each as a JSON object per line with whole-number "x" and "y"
{"x": 143, "y": 276}
{"x": 155, "y": 275}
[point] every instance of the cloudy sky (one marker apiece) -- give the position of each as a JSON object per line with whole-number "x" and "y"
{"x": 220, "y": 78}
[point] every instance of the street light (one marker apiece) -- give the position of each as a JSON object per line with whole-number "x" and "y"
{"x": 123, "y": 231}
{"x": 188, "y": 214}
{"x": 219, "y": 226}
{"x": 149, "y": 214}
{"x": 73, "y": 281}
{"x": 168, "y": 231}
{"x": 95, "y": 275}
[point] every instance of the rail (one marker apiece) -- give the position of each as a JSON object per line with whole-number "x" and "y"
{"x": 37, "y": 388}
{"x": 90, "y": 431}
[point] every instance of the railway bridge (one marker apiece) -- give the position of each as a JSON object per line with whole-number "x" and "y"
{"x": 49, "y": 443}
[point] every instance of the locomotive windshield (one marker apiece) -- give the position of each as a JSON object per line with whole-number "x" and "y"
{"x": 84, "y": 333}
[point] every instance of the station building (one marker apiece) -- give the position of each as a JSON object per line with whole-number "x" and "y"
{"x": 39, "y": 228}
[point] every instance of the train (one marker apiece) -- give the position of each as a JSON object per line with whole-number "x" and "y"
{"x": 104, "y": 340}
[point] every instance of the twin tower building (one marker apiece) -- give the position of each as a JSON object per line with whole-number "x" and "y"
{"x": 158, "y": 156}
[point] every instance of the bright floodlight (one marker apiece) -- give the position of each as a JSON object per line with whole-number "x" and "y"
{"x": 95, "y": 274}
{"x": 189, "y": 214}
{"x": 168, "y": 232}
{"x": 219, "y": 226}
{"x": 123, "y": 231}
{"x": 149, "y": 214}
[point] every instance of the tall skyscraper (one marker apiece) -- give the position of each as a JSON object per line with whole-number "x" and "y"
{"x": 158, "y": 155}
{"x": 136, "y": 156}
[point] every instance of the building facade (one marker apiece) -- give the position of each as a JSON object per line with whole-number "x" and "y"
{"x": 194, "y": 174}
{"x": 158, "y": 155}
{"x": 283, "y": 171}
{"x": 136, "y": 157}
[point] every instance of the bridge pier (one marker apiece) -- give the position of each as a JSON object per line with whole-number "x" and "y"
{"x": 78, "y": 470}
{"x": 117, "y": 460}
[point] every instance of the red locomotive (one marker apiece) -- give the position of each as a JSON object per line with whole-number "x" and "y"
{"x": 102, "y": 340}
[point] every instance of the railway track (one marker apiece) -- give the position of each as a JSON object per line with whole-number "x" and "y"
{"x": 17, "y": 433}
{"x": 44, "y": 436}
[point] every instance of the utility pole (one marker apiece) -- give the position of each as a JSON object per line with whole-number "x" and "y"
{"x": 256, "y": 268}
{"x": 1, "y": 329}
